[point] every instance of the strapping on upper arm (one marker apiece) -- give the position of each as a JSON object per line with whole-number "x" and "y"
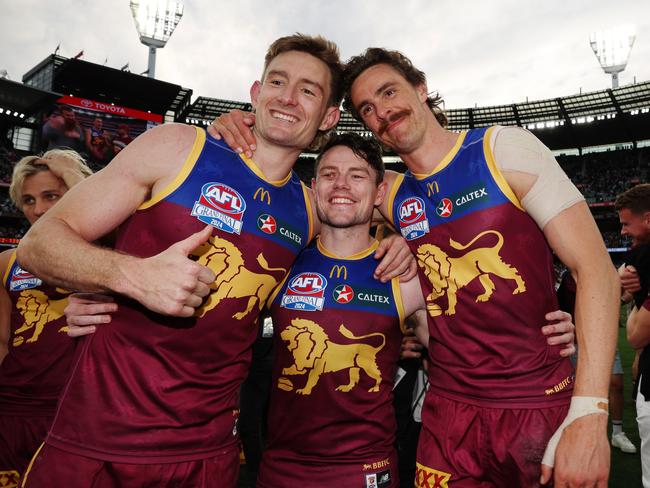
{"x": 546, "y": 189}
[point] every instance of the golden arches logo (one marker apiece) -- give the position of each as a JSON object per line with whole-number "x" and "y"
{"x": 432, "y": 188}
{"x": 448, "y": 275}
{"x": 37, "y": 310}
{"x": 263, "y": 194}
{"x": 315, "y": 354}
{"x": 339, "y": 270}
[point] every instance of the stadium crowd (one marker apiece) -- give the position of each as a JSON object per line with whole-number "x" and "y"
{"x": 599, "y": 176}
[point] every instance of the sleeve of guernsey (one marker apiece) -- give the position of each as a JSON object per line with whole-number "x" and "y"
{"x": 516, "y": 149}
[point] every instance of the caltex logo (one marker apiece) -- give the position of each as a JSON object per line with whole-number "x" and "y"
{"x": 267, "y": 224}
{"x": 343, "y": 294}
{"x": 444, "y": 208}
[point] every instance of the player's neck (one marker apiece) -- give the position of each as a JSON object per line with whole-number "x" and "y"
{"x": 436, "y": 144}
{"x": 346, "y": 241}
{"x": 274, "y": 161}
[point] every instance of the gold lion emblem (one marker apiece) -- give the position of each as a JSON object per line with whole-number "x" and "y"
{"x": 448, "y": 275}
{"x": 233, "y": 279}
{"x": 37, "y": 310}
{"x": 314, "y": 353}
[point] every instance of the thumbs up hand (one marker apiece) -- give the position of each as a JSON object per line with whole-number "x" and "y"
{"x": 170, "y": 283}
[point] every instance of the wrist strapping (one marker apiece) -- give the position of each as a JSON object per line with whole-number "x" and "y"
{"x": 580, "y": 406}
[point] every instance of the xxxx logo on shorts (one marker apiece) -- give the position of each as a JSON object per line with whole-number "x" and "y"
{"x": 343, "y": 294}
{"x": 426, "y": 477}
{"x": 306, "y": 291}
{"x": 413, "y": 221}
{"x": 220, "y": 206}
{"x": 267, "y": 224}
{"x": 444, "y": 208}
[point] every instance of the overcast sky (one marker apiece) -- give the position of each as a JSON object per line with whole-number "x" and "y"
{"x": 473, "y": 52}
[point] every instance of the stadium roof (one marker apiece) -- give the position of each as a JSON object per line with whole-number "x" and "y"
{"x": 104, "y": 84}
{"x": 576, "y": 121}
{"x": 18, "y": 102}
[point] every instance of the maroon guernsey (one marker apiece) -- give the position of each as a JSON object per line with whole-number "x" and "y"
{"x": 41, "y": 354}
{"x": 337, "y": 339}
{"x": 154, "y": 389}
{"x": 487, "y": 276}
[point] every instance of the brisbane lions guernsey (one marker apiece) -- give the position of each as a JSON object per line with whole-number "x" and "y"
{"x": 337, "y": 342}
{"x": 156, "y": 389}
{"x": 487, "y": 276}
{"x": 41, "y": 354}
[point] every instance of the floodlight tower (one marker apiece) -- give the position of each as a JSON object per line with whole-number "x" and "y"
{"x": 612, "y": 48}
{"x": 155, "y": 21}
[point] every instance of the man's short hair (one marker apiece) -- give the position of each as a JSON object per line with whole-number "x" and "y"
{"x": 636, "y": 199}
{"x": 321, "y": 49}
{"x": 30, "y": 165}
{"x": 367, "y": 149}
{"x": 400, "y": 63}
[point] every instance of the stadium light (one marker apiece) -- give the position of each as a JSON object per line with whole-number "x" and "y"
{"x": 155, "y": 21}
{"x": 612, "y": 49}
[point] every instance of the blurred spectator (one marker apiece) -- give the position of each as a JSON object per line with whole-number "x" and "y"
{"x": 98, "y": 142}
{"x": 123, "y": 134}
{"x": 61, "y": 130}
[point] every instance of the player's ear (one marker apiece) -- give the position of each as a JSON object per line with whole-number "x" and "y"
{"x": 330, "y": 119}
{"x": 381, "y": 193}
{"x": 255, "y": 91}
{"x": 422, "y": 91}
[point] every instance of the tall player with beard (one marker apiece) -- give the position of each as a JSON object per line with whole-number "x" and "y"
{"x": 153, "y": 397}
{"x": 482, "y": 210}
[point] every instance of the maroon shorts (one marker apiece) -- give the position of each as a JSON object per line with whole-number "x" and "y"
{"x": 282, "y": 469}
{"x": 467, "y": 446}
{"x": 55, "y": 467}
{"x": 19, "y": 440}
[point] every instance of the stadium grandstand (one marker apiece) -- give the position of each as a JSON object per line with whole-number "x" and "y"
{"x": 601, "y": 139}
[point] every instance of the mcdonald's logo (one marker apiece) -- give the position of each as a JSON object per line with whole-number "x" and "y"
{"x": 263, "y": 194}
{"x": 339, "y": 270}
{"x": 432, "y": 188}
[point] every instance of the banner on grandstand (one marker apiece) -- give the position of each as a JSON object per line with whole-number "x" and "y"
{"x": 95, "y": 129}
{"x": 110, "y": 108}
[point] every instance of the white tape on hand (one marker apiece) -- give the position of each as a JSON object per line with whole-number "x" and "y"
{"x": 580, "y": 406}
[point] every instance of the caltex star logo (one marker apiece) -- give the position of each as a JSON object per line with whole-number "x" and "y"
{"x": 444, "y": 208}
{"x": 266, "y": 223}
{"x": 343, "y": 294}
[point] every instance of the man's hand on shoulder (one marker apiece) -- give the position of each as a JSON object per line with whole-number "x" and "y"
{"x": 396, "y": 259}
{"x": 235, "y": 128}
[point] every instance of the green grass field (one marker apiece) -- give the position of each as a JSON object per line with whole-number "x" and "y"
{"x": 626, "y": 468}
